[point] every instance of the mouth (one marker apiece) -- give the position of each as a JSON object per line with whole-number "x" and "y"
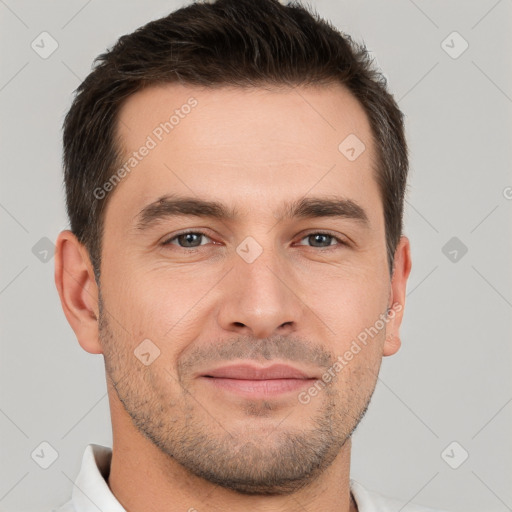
{"x": 258, "y": 382}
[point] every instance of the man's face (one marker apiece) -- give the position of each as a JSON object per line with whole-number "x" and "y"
{"x": 259, "y": 288}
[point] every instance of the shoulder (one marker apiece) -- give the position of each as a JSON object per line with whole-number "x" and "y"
{"x": 371, "y": 501}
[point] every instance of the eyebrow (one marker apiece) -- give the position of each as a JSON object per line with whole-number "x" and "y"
{"x": 310, "y": 207}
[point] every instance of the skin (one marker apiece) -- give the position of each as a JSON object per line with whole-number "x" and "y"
{"x": 180, "y": 443}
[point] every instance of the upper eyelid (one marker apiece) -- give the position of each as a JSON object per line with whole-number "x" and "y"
{"x": 193, "y": 231}
{"x": 340, "y": 239}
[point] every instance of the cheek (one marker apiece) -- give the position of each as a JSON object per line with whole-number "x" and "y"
{"x": 348, "y": 302}
{"x": 163, "y": 307}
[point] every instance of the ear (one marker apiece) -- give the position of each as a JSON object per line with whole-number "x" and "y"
{"x": 78, "y": 292}
{"x": 396, "y": 304}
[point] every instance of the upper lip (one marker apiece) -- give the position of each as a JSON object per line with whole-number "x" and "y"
{"x": 251, "y": 372}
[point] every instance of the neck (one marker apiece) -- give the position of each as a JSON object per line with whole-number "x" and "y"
{"x": 142, "y": 478}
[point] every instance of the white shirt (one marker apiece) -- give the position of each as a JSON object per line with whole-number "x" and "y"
{"x": 91, "y": 492}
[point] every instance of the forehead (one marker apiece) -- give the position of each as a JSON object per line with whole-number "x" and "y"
{"x": 252, "y": 147}
{"x": 228, "y": 115}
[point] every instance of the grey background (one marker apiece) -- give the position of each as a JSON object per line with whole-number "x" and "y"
{"x": 451, "y": 380}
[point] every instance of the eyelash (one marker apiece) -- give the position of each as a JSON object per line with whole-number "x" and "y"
{"x": 339, "y": 241}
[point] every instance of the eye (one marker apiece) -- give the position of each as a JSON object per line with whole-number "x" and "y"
{"x": 324, "y": 240}
{"x": 193, "y": 240}
{"x": 187, "y": 240}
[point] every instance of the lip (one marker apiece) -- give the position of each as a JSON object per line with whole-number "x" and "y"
{"x": 255, "y": 382}
{"x": 251, "y": 372}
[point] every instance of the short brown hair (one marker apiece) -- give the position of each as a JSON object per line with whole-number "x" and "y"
{"x": 243, "y": 43}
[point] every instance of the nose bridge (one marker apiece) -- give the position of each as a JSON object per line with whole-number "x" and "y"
{"x": 261, "y": 271}
{"x": 260, "y": 295}
{"x": 264, "y": 276}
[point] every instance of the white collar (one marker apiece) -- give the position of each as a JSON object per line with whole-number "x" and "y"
{"x": 91, "y": 492}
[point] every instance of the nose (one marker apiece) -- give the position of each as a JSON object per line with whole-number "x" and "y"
{"x": 261, "y": 299}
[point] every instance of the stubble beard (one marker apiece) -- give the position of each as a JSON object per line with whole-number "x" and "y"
{"x": 277, "y": 462}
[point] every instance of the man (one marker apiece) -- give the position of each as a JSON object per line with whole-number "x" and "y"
{"x": 235, "y": 177}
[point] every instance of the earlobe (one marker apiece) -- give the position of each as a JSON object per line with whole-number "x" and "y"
{"x": 391, "y": 345}
{"x": 78, "y": 292}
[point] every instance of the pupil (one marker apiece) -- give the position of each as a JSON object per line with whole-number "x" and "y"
{"x": 189, "y": 237}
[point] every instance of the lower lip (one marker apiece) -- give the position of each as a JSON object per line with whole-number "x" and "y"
{"x": 259, "y": 388}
